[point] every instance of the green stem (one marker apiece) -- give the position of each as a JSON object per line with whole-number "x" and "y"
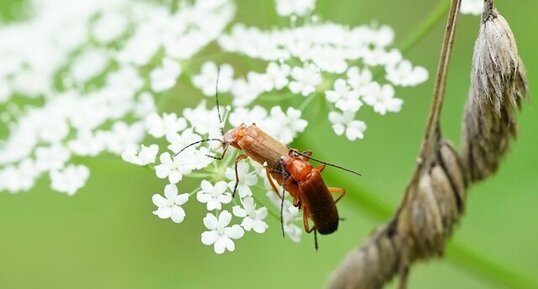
{"x": 307, "y": 101}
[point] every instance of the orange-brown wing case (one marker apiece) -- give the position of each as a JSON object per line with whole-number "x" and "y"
{"x": 263, "y": 148}
{"x": 316, "y": 198}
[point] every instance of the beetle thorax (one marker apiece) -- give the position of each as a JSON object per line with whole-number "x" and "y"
{"x": 234, "y": 135}
{"x": 298, "y": 168}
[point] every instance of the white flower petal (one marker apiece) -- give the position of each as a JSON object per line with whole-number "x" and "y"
{"x": 159, "y": 200}
{"x": 170, "y": 191}
{"x": 163, "y": 212}
{"x": 210, "y": 221}
{"x": 234, "y": 232}
{"x": 209, "y": 237}
{"x": 178, "y": 214}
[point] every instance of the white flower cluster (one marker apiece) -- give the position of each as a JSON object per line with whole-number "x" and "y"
{"x": 473, "y": 7}
{"x": 81, "y": 81}
{"x": 317, "y": 59}
{"x": 78, "y": 84}
{"x": 200, "y": 123}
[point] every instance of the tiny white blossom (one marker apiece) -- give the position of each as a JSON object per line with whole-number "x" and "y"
{"x": 19, "y": 178}
{"x": 173, "y": 168}
{"x": 126, "y": 76}
{"x": 88, "y": 65}
{"x": 330, "y": 59}
{"x": 167, "y": 124}
{"x": 52, "y": 158}
{"x": 220, "y": 235}
{"x": 359, "y": 78}
{"x": 260, "y": 80}
{"x": 380, "y": 56}
{"x": 70, "y": 179}
{"x": 344, "y": 97}
{"x": 305, "y": 79}
{"x": 345, "y": 123}
{"x": 382, "y": 99}
{"x": 203, "y": 120}
{"x": 285, "y": 126}
{"x": 473, "y": 7}
{"x": 179, "y": 141}
{"x": 383, "y": 36}
{"x": 140, "y": 48}
{"x": 144, "y": 157}
{"x": 165, "y": 76}
{"x": 169, "y": 206}
{"x": 246, "y": 179}
{"x": 123, "y": 136}
{"x": 5, "y": 91}
{"x": 404, "y": 74}
{"x": 87, "y": 143}
{"x": 207, "y": 79}
{"x": 290, "y": 214}
{"x": 252, "y": 219}
{"x": 244, "y": 92}
{"x": 214, "y": 196}
{"x": 242, "y": 115}
{"x": 294, "y": 7}
{"x": 278, "y": 74}
{"x": 109, "y": 27}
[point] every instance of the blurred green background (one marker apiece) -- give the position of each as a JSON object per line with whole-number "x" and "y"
{"x": 106, "y": 236}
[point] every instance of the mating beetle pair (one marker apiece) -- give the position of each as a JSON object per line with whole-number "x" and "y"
{"x": 289, "y": 168}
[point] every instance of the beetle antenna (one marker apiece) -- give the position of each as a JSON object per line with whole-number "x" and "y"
{"x": 197, "y": 142}
{"x": 326, "y": 163}
{"x": 221, "y": 124}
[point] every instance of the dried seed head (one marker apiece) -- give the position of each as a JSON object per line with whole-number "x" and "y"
{"x": 419, "y": 230}
{"x": 424, "y": 219}
{"x": 498, "y": 86}
{"x": 495, "y": 60}
{"x": 370, "y": 266}
{"x": 454, "y": 170}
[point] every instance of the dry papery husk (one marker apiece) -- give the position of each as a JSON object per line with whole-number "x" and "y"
{"x": 433, "y": 205}
{"x": 498, "y": 87}
{"x": 435, "y": 198}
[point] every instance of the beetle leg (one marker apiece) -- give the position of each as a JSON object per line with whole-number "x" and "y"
{"x": 315, "y": 238}
{"x": 284, "y": 175}
{"x": 237, "y": 159}
{"x": 221, "y": 156}
{"x": 272, "y": 183}
{"x": 320, "y": 168}
{"x": 305, "y": 222}
{"x": 308, "y": 229}
{"x": 341, "y": 191}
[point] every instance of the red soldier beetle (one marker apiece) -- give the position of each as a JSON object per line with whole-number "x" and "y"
{"x": 288, "y": 167}
{"x": 310, "y": 193}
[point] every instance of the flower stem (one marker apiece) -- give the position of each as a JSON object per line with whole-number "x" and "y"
{"x": 432, "y": 126}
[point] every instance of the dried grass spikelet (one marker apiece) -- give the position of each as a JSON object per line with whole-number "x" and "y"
{"x": 498, "y": 86}
{"x": 434, "y": 201}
